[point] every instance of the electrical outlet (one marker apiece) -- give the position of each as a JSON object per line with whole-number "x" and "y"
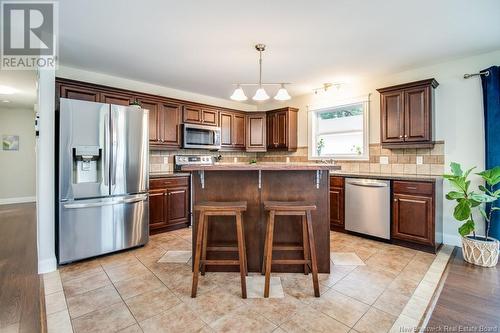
{"x": 420, "y": 160}
{"x": 384, "y": 160}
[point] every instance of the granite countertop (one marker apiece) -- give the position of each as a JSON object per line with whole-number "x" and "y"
{"x": 391, "y": 176}
{"x": 261, "y": 166}
{"x": 167, "y": 174}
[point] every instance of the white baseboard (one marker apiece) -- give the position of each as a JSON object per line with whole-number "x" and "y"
{"x": 47, "y": 265}
{"x": 8, "y": 201}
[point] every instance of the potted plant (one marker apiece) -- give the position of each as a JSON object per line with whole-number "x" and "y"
{"x": 478, "y": 250}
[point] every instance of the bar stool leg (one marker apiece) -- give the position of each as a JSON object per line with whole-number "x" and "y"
{"x": 269, "y": 253}
{"x": 204, "y": 245}
{"x": 244, "y": 246}
{"x": 241, "y": 252}
{"x": 197, "y": 253}
{"x": 313, "y": 254}
{"x": 305, "y": 244}
{"x": 265, "y": 245}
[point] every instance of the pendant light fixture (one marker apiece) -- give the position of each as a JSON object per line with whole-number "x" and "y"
{"x": 260, "y": 94}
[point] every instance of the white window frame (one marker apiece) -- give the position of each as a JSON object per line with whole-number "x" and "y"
{"x": 312, "y": 111}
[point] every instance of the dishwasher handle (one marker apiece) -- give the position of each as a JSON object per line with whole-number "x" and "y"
{"x": 367, "y": 184}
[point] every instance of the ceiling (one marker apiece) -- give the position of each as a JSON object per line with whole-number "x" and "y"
{"x": 24, "y": 82}
{"x": 206, "y": 46}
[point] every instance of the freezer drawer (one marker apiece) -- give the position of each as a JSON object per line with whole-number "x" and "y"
{"x": 88, "y": 228}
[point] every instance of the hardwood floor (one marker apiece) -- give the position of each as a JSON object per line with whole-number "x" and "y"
{"x": 21, "y": 306}
{"x": 470, "y": 298}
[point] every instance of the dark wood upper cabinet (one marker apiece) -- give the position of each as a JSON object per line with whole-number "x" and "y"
{"x": 256, "y": 132}
{"x": 232, "y": 125}
{"x": 154, "y": 124}
{"x": 407, "y": 115}
{"x": 77, "y": 92}
{"x": 282, "y": 129}
{"x": 337, "y": 194}
{"x": 117, "y": 99}
{"x": 170, "y": 123}
{"x": 194, "y": 114}
{"x": 226, "y": 129}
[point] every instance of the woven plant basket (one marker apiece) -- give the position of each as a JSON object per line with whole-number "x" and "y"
{"x": 479, "y": 252}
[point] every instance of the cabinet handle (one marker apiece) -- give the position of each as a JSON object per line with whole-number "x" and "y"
{"x": 395, "y": 200}
{"x": 406, "y": 135}
{"x": 411, "y": 188}
{"x": 400, "y": 136}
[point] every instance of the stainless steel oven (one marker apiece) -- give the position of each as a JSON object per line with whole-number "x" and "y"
{"x": 201, "y": 137}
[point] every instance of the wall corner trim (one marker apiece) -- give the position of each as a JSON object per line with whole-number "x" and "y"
{"x": 47, "y": 265}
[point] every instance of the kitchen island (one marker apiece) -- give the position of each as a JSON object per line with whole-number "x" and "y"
{"x": 256, "y": 183}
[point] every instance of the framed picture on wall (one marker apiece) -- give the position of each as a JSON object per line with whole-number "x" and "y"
{"x": 10, "y": 142}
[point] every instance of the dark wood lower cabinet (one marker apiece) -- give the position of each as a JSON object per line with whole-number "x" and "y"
{"x": 337, "y": 203}
{"x": 169, "y": 207}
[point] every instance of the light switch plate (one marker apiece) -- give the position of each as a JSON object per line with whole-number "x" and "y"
{"x": 420, "y": 160}
{"x": 165, "y": 160}
{"x": 384, "y": 160}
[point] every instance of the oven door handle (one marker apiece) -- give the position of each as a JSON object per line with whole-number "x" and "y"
{"x": 366, "y": 184}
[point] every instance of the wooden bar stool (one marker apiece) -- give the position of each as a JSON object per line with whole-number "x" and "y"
{"x": 212, "y": 208}
{"x": 308, "y": 247}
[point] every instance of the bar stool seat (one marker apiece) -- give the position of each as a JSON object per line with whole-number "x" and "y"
{"x": 293, "y": 208}
{"x": 219, "y": 208}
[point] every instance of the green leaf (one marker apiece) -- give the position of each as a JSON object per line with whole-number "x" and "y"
{"x": 495, "y": 208}
{"x": 483, "y": 213}
{"x": 456, "y": 169}
{"x": 453, "y": 195}
{"x": 462, "y": 210}
{"x": 466, "y": 228}
{"x": 474, "y": 203}
{"x": 491, "y": 176}
{"x": 468, "y": 172}
{"x": 482, "y": 197}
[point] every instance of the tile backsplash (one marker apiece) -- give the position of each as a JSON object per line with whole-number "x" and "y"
{"x": 399, "y": 161}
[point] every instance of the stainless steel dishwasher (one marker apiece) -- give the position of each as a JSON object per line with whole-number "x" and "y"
{"x": 368, "y": 207}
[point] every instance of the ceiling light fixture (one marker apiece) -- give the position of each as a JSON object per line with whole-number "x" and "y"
{"x": 6, "y": 90}
{"x": 327, "y": 86}
{"x": 260, "y": 94}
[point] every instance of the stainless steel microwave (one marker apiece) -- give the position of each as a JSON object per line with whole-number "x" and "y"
{"x": 201, "y": 137}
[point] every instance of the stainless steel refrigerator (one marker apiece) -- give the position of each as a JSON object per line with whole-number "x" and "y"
{"x": 103, "y": 162}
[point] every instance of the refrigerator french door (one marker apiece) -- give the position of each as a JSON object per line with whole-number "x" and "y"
{"x": 102, "y": 179}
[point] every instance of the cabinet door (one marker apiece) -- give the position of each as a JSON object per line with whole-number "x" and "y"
{"x": 226, "y": 129}
{"x": 157, "y": 200}
{"x": 417, "y": 114}
{"x": 281, "y": 126}
{"x": 271, "y": 131}
{"x": 392, "y": 117}
{"x": 192, "y": 114}
{"x": 412, "y": 218}
{"x": 80, "y": 93}
{"x": 239, "y": 131}
{"x": 113, "y": 98}
{"x": 256, "y": 132}
{"x": 210, "y": 117}
{"x": 337, "y": 206}
{"x": 154, "y": 125}
{"x": 177, "y": 207}
{"x": 170, "y": 116}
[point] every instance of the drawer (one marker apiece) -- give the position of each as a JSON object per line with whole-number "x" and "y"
{"x": 336, "y": 181}
{"x": 413, "y": 188}
{"x": 168, "y": 182}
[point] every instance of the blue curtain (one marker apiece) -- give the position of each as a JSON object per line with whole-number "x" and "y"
{"x": 491, "y": 100}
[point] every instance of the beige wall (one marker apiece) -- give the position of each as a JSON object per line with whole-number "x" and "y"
{"x": 459, "y": 112}
{"x": 17, "y": 168}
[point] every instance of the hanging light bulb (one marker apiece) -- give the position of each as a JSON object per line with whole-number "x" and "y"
{"x": 282, "y": 94}
{"x": 260, "y": 95}
{"x": 239, "y": 94}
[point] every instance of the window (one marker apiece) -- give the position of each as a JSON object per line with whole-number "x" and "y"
{"x": 339, "y": 132}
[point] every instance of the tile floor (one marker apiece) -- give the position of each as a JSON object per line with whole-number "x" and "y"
{"x": 374, "y": 287}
